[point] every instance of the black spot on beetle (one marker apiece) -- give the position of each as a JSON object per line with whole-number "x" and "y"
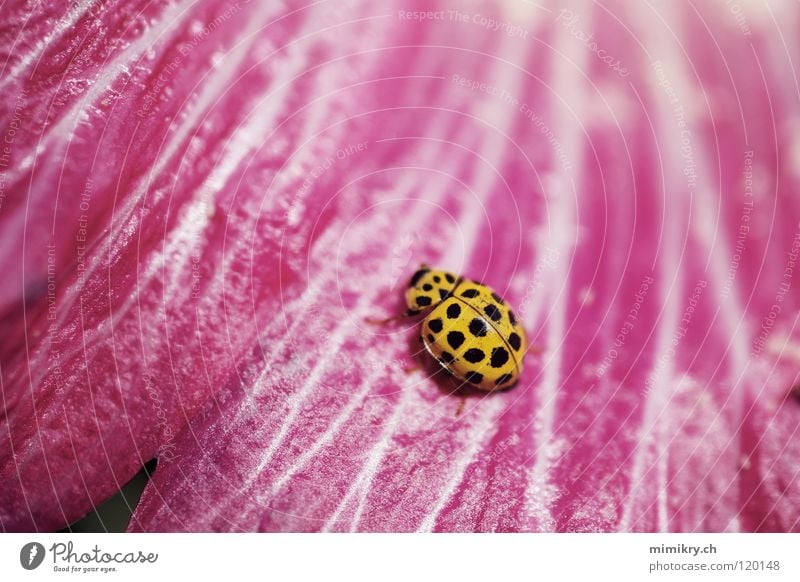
{"x": 470, "y": 293}
{"x": 455, "y": 339}
{"x": 450, "y": 278}
{"x": 499, "y": 357}
{"x": 497, "y": 298}
{"x": 437, "y": 279}
{"x": 423, "y": 300}
{"x": 447, "y": 358}
{"x": 427, "y": 287}
{"x": 493, "y": 313}
{"x": 435, "y": 325}
{"x": 474, "y": 377}
{"x": 417, "y": 276}
{"x": 502, "y": 379}
{"x": 478, "y": 327}
{"x": 430, "y": 338}
{"x": 514, "y": 341}
{"x": 512, "y": 318}
{"x": 474, "y": 355}
{"x": 444, "y": 294}
{"x": 453, "y": 310}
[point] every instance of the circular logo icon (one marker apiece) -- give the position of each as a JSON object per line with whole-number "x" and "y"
{"x": 31, "y": 555}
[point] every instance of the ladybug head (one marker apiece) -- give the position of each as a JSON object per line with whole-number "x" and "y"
{"x": 427, "y": 288}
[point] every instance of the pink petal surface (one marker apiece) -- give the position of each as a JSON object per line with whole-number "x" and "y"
{"x": 252, "y": 180}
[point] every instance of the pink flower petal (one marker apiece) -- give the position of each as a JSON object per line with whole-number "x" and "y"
{"x": 261, "y": 179}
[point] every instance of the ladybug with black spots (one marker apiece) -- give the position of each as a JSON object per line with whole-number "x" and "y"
{"x": 468, "y": 328}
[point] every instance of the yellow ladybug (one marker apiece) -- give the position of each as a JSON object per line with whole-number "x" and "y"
{"x": 470, "y": 329}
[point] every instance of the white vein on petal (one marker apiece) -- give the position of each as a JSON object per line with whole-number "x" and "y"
{"x": 307, "y": 388}
{"x": 406, "y": 183}
{"x": 494, "y": 148}
{"x": 327, "y": 437}
{"x": 63, "y": 25}
{"x": 661, "y": 376}
{"x": 732, "y": 313}
{"x": 482, "y": 430}
{"x": 661, "y": 379}
{"x": 195, "y": 218}
{"x": 539, "y": 492}
{"x": 702, "y": 216}
{"x": 63, "y": 129}
{"x": 363, "y": 481}
{"x": 335, "y": 340}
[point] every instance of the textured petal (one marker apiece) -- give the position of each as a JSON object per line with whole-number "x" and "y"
{"x": 253, "y": 181}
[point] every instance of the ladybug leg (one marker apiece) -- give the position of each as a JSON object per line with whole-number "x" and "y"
{"x": 383, "y": 321}
{"x": 462, "y": 402}
{"x": 459, "y": 391}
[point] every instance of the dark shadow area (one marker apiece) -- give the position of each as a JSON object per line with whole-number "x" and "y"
{"x": 114, "y": 514}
